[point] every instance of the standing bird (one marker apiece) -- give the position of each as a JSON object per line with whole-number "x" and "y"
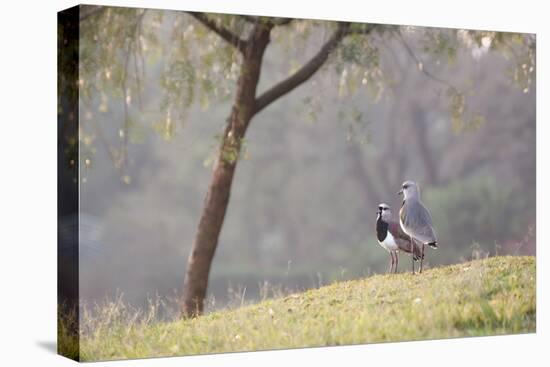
{"x": 415, "y": 219}
{"x": 392, "y": 238}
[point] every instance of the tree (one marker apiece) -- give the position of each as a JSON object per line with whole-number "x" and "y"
{"x": 246, "y": 105}
{"x": 246, "y": 39}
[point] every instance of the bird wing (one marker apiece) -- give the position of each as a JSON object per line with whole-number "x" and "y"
{"x": 396, "y": 231}
{"x": 417, "y": 220}
{"x": 405, "y": 246}
{"x": 403, "y": 240}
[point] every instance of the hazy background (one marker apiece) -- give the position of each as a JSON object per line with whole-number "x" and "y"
{"x": 317, "y": 163}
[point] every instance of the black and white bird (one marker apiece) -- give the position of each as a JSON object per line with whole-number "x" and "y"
{"x": 392, "y": 238}
{"x": 415, "y": 219}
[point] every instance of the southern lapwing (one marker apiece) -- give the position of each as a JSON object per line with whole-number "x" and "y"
{"x": 415, "y": 219}
{"x": 392, "y": 238}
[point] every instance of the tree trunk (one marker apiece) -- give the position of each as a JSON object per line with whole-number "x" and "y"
{"x": 217, "y": 197}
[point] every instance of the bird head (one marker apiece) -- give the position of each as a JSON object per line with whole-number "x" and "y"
{"x": 409, "y": 189}
{"x": 384, "y": 211}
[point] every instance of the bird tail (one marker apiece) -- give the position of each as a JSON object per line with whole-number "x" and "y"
{"x": 433, "y": 244}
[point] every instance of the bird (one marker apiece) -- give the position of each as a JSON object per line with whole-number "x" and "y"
{"x": 415, "y": 219}
{"x": 392, "y": 238}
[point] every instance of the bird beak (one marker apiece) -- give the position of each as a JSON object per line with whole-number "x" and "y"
{"x": 400, "y": 192}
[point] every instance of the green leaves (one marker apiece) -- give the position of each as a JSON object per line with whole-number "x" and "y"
{"x": 441, "y": 44}
{"x": 518, "y": 47}
{"x": 358, "y": 65}
{"x": 232, "y": 149}
{"x": 462, "y": 121}
{"x": 166, "y": 127}
{"x": 200, "y": 66}
{"x": 178, "y": 81}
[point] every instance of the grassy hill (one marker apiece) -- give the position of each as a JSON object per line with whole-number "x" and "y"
{"x": 483, "y": 297}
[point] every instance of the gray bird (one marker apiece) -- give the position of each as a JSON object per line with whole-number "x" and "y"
{"x": 415, "y": 219}
{"x": 392, "y": 238}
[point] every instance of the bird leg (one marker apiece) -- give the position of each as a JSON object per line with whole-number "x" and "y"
{"x": 396, "y": 262}
{"x": 391, "y": 263}
{"x": 412, "y": 253}
{"x": 422, "y": 257}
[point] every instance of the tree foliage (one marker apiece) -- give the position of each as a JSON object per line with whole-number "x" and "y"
{"x": 118, "y": 44}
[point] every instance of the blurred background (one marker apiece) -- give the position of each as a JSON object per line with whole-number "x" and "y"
{"x": 315, "y": 166}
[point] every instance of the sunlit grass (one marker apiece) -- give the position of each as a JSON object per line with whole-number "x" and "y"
{"x": 67, "y": 334}
{"x": 483, "y": 297}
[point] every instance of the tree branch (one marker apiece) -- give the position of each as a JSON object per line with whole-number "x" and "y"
{"x": 420, "y": 64}
{"x": 275, "y": 21}
{"x": 281, "y": 21}
{"x": 223, "y": 32}
{"x": 250, "y": 18}
{"x": 364, "y": 29}
{"x": 304, "y": 73}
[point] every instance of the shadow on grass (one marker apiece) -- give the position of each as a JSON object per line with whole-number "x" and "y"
{"x": 48, "y": 345}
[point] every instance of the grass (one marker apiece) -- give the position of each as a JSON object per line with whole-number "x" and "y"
{"x": 484, "y": 297}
